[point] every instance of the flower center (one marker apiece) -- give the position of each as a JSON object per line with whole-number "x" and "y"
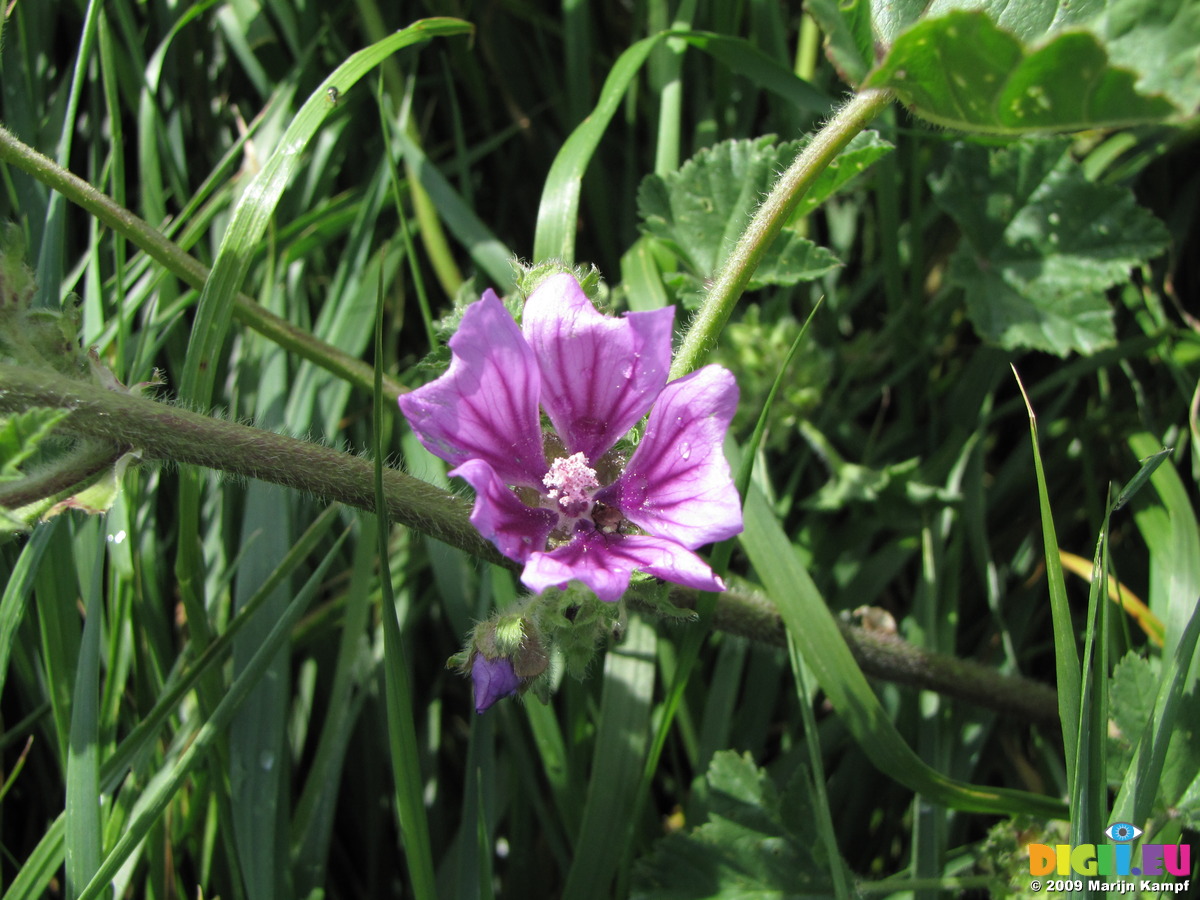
{"x": 570, "y": 483}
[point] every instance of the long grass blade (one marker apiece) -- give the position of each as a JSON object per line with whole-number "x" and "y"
{"x": 401, "y": 726}
{"x": 1066, "y": 654}
{"x": 815, "y": 631}
{"x": 616, "y": 762}
{"x": 162, "y": 789}
{"x": 257, "y": 204}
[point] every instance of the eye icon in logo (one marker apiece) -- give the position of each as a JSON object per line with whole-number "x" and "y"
{"x": 1123, "y": 831}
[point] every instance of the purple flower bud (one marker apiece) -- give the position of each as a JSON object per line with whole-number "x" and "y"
{"x": 494, "y": 679}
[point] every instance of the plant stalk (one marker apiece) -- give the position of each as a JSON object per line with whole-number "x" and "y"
{"x": 169, "y": 433}
{"x": 768, "y": 221}
{"x": 186, "y": 267}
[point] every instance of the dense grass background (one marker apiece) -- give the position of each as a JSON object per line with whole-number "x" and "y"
{"x": 897, "y": 461}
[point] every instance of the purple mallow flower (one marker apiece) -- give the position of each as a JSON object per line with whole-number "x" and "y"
{"x": 561, "y": 503}
{"x": 494, "y": 679}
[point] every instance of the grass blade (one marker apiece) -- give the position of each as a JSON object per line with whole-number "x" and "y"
{"x": 616, "y": 763}
{"x": 1066, "y": 655}
{"x": 83, "y": 828}
{"x": 401, "y": 728}
{"x": 154, "y": 802}
{"x": 17, "y": 589}
{"x": 254, "y": 210}
{"x": 815, "y": 631}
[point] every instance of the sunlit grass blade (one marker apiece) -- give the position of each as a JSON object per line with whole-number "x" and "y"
{"x": 616, "y": 762}
{"x": 816, "y": 762}
{"x": 50, "y": 255}
{"x": 83, "y": 812}
{"x": 18, "y": 588}
{"x": 1066, "y": 653}
{"x": 162, "y": 789}
{"x": 1149, "y": 467}
{"x": 487, "y": 250}
{"x": 812, "y": 626}
{"x": 257, "y": 734}
{"x": 254, "y": 210}
{"x": 558, "y": 210}
{"x": 1089, "y": 790}
{"x": 313, "y": 820}
{"x": 1172, "y": 535}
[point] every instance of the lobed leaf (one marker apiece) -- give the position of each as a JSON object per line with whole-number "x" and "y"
{"x": 1042, "y": 244}
{"x": 1024, "y": 65}
{"x": 755, "y": 842}
{"x": 20, "y": 435}
{"x": 964, "y": 71}
{"x": 700, "y": 210}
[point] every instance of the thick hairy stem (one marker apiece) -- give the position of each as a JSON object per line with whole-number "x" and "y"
{"x": 186, "y": 267}
{"x": 890, "y": 658}
{"x": 768, "y": 220}
{"x": 165, "y": 432}
{"x": 177, "y": 435}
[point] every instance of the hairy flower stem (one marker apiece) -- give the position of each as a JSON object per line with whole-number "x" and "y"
{"x": 768, "y": 220}
{"x": 186, "y": 267}
{"x": 172, "y": 434}
{"x": 890, "y": 658}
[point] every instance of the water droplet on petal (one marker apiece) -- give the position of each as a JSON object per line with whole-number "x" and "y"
{"x": 685, "y": 450}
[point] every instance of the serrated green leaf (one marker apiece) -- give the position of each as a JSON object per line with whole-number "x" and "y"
{"x": 700, "y": 210}
{"x": 1042, "y": 244}
{"x": 20, "y": 435}
{"x": 964, "y": 71}
{"x": 1132, "y": 690}
{"x": 1159, "y": 39}
{"x": 1022, "y": 65}
{"x": 745, "y": 849}
{"x": 849, "y": 36}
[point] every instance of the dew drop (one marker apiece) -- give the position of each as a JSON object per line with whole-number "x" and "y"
{"x": 685, "y": 450}
{"x": 1054, "y": 218}
{"x": 266, "y": 759}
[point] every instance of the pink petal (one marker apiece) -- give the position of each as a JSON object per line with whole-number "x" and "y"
{"x": 486, "y": 404}
{"x": 677, "y": 484}
{"x": 599, "y": 374}
{"x": 499, "y": 515}
{"x": 605, "y": 562}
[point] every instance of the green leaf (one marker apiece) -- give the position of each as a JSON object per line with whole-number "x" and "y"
{"x": 1044, "y": 245}
{"x": 1132, "y": 690}
{"x": 1024, "y": 65}
{"x": 1161, "y": 40}
{"x": 964, "y": 71}
{"x": 849, "y": 36}
{"x": 700, "y": 210}
{"x": 755, "y": 842}
{"x": 20, "y": 435}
